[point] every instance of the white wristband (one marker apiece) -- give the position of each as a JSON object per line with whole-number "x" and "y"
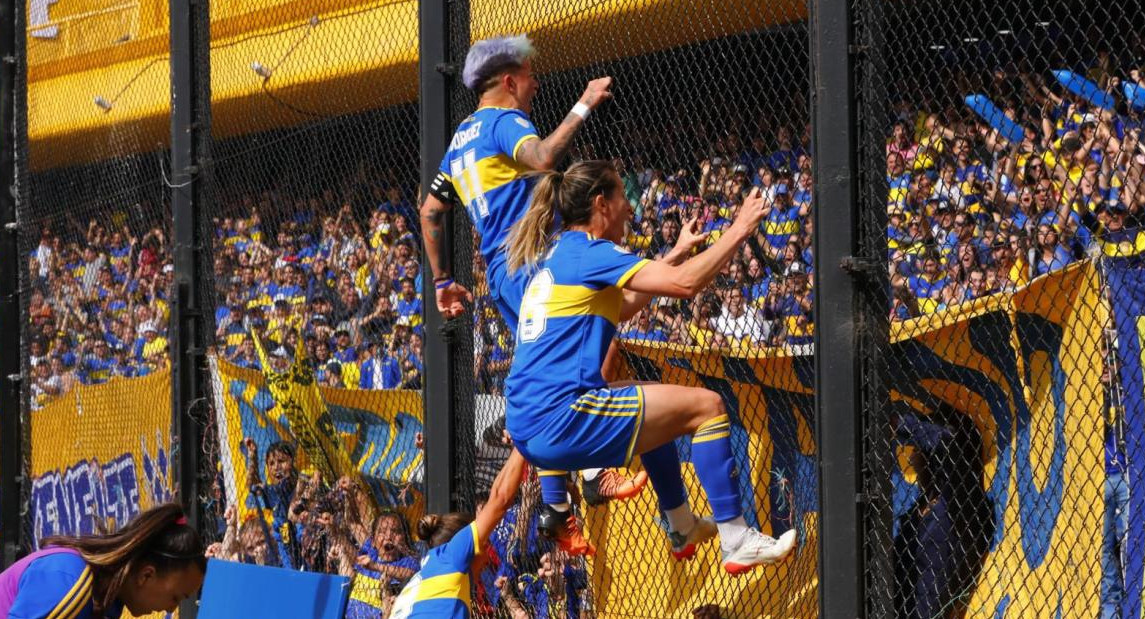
{"x": 581, "y": 110}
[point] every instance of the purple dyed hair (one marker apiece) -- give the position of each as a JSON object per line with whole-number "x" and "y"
{"x": 489, "y": 57}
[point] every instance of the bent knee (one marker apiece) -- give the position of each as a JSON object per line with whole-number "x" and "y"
{"x": 711, "y": 405}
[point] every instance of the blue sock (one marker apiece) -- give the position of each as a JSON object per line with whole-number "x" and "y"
{"x": 663, "y": 466}
{"x": 715, "y": 466}
{"x": 554, "y": 490}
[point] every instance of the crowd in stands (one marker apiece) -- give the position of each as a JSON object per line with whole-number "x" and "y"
{"x": 98, "y": 307}
{"x": 332, "y": 527}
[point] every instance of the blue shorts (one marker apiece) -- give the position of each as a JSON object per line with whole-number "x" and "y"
{"x": 506, "y": 289}
{"x": 596, "y": 430}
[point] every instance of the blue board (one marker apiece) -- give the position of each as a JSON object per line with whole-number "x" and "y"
{"x": 240, "y": 590}
{"x": 1135, "y": 93}
{"x": 1007, "y": 128}
{"x": 1085, "y": 89}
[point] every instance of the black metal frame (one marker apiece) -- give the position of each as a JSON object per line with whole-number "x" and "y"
{"x": 11, "y": 448}
{"x": 190, "y": 95}
{"x": 439, "y": 399}
{"x": 837, "y": 397}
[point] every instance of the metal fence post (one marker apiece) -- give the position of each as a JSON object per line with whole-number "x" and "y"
{"x": 188, "y": 21}
{"x": 439, "y": 384}
{"x": 836, "y": 365}
{"x": 11, "y": 453}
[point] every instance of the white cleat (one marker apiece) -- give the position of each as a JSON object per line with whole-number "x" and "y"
{"x": 758, "y": 549}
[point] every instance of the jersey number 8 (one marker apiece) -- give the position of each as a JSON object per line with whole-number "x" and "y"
{"x": 534, "y": 307}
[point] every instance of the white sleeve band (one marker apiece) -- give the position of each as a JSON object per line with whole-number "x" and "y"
{"x": 581, "y": 110}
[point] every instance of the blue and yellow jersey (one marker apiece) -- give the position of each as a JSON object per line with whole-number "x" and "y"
{"x": 927, "y": 292}
{"x": 441, "y": 589}
{"x": 568, "y": 317}
{"x": 482, "y": 166}
{"x": 366, "y": 592}
{"x": 55, "y": 582}
{"x": 780, "y": 224}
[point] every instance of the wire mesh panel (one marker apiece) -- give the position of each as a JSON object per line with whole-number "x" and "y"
{"x": 710, "y": 101}
{"x": 315, "y": 290}
{"x": 95, "y": 269}
{"x": 1000, "y": 433}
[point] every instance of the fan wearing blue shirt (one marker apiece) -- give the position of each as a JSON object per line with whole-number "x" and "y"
{"x": 441, "y": 588}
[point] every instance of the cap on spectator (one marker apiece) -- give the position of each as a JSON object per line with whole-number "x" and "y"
{"x": 998, "y": 242}
{"x": 280, "y": 301}
{"x": 1117, "y": 206}
{"x": 342, "y": 331}
{"x": 148, "y": 326}
{"x": 795, "y": 268}
{"x": 740, "y": 168}
{"x": 168, "y": 268}
{"x": 282, "y": 351}
{"x": 1088, "y": 118}
{"x": 319, "y": 318}
{"x": 716, "y": 161}
{"x": 334, "y": 368}
{"x": 781, "y": 189}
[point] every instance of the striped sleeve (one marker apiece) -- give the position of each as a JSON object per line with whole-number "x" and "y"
{"x": 60, "y": 589}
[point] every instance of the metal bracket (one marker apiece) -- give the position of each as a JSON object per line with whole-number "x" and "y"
{"x": 15, "y": 378}
{"x": 12, "y": 226}
{"x": 858, "y": 266}
{"x": 856, "y": 49}
{"x": 447, "y": 68}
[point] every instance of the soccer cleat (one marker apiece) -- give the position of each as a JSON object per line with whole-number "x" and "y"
{"x": 684, "y": 546}
{"x": 610, "y": 484}
{"x": 564, "y": 529}
{"x": 757, "y": 549}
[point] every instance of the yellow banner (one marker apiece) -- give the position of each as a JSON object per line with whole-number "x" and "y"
{"x": 1024, "y": 370}
{"x": 771, "y": 407}
{"x": 1002, "y": 394}
{"x": 100, "y": 455}
{"x": 375, "y": 430}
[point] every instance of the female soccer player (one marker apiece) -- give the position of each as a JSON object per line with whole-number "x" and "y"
{"x": 561, "y": 413}
{"x": 151, "y": 565}
{"x": 441, "y": 589}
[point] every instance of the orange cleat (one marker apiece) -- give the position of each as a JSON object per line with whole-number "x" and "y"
{"x": 564, "y": 529}
{"x": 610, "y": 484}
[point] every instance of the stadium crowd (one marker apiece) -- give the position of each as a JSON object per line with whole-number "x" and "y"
{"x": 338, "y": 273}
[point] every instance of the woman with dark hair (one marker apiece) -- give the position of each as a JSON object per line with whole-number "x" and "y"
{"x": 441, "y": 588}
{"x": 150, "y": 565}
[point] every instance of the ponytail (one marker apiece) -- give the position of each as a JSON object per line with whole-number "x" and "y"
{"x": 530, "y": 235}
{"x": 436, "y": 529}
{"x": 569, "y": 194}
{"x": 159, "y": 537}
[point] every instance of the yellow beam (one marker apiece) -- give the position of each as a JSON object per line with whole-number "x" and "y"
{"x": 327, "y": 57}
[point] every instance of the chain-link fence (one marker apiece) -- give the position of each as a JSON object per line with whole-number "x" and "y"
{"x": 711, "y": 100}
{"x": 999, "y": 436}
{"x": 316, "y": 277}
{"x": 95, "y": 266}
{"x": 998, "y": 226}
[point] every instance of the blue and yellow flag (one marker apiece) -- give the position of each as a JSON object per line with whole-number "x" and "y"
{"x": 1126, "y": 281}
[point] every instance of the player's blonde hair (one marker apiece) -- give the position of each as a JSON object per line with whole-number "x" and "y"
{"x": 569, "y": 194}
